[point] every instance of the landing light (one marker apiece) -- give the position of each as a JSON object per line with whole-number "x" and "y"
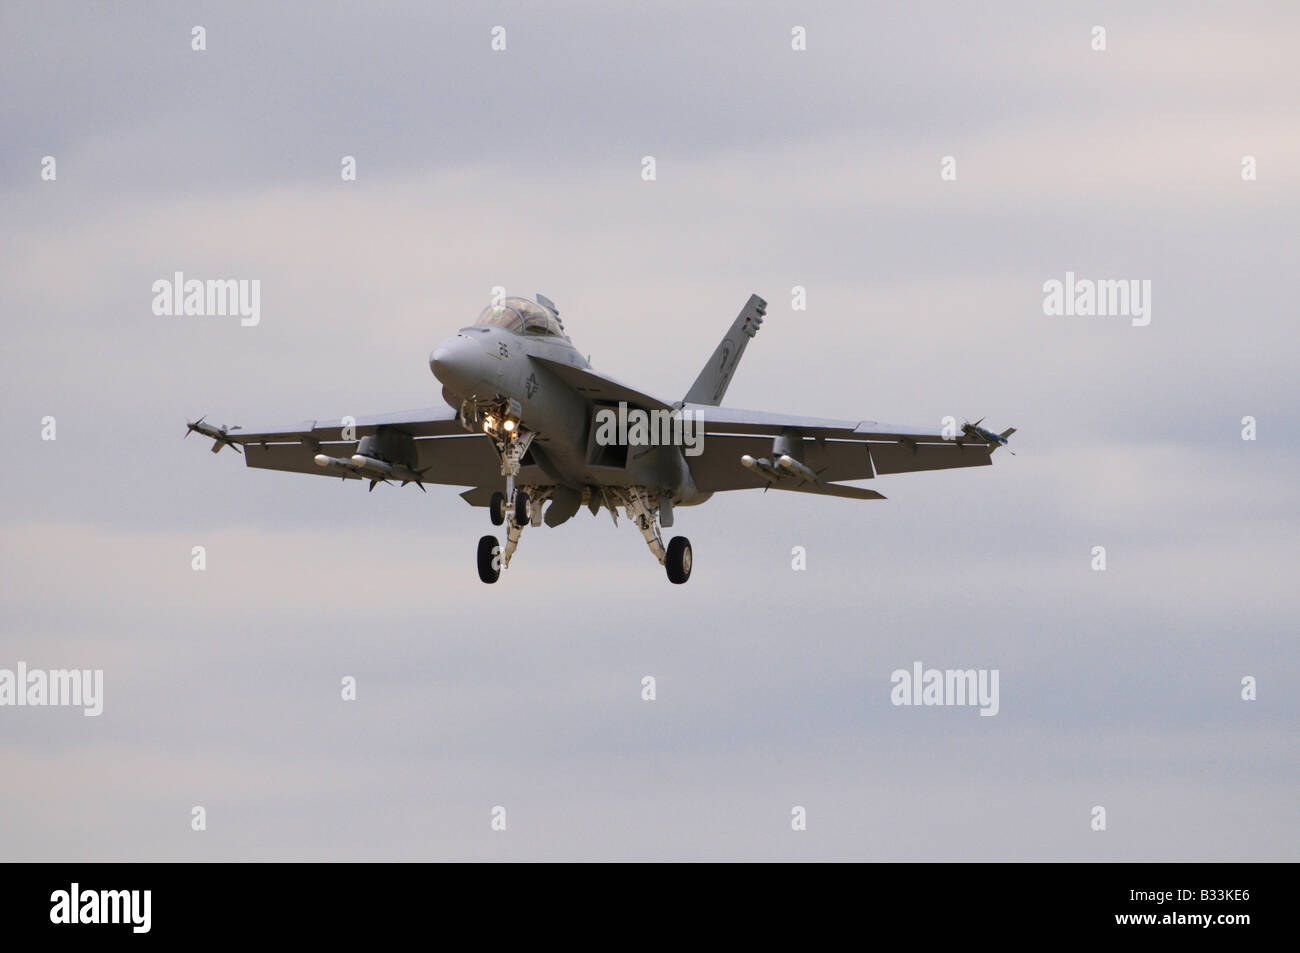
{"x": 509, "y": 425}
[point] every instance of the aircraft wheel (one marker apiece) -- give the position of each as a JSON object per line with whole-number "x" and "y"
{"x": 489, "y": 559}
{"x": 497, "y": 508}
{"x": 678, "y": 560}
{"x": 521, "y": 508}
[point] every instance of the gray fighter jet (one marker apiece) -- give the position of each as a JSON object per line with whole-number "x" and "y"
{"x": 536, "y": 434}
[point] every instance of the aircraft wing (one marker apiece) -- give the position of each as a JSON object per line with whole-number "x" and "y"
{"x": 424, "y": 422}
{"x": 444, "y": 452}
{"x": 835, "y": 450}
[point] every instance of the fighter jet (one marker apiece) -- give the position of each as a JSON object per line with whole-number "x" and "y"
{"x": 536, "y": 433}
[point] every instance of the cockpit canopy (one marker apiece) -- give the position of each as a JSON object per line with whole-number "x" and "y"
{"x": 522, "y": 317}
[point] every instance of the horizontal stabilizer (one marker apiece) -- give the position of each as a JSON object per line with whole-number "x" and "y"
{"x": 830, "y": 489}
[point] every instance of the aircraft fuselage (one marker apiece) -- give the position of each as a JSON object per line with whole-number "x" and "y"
{"x": 491, "y": 363}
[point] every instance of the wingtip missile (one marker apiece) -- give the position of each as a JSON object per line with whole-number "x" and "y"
{"x": 995, "y": 440}
{"x": 220, "y": 436}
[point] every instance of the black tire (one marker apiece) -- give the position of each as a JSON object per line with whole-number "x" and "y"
{"x": 489, "y": 553}
{"x": 521, "y": 508}
{"x": 678, "y": 560}
{"x": 497, "y": 508}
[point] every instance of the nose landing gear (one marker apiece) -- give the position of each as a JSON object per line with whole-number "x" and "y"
{"x": 497, "y": 508}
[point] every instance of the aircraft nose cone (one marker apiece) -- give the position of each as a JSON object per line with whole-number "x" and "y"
{"x": 453, "y": 362}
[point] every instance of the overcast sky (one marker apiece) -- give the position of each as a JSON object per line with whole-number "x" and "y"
{"x": 775, "y": 168}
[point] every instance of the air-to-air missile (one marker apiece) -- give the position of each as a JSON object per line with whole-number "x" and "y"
{"x": 218, "y": 434}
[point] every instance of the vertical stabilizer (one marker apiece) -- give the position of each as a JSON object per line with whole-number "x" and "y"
{"x": 711, "y": 385}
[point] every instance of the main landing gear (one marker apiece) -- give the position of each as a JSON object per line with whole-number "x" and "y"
{"x": 678, "y": 560}
{"x": 637, "y": 502}
{"x": 489, "y": 559}
{"x": 525, "y": 510}
{"x": 645, "y": 510}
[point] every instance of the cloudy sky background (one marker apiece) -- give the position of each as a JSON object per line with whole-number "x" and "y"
{"x": 775, "y": 168}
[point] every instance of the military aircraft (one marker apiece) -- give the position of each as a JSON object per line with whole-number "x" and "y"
{"x": 536, "y": 434}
